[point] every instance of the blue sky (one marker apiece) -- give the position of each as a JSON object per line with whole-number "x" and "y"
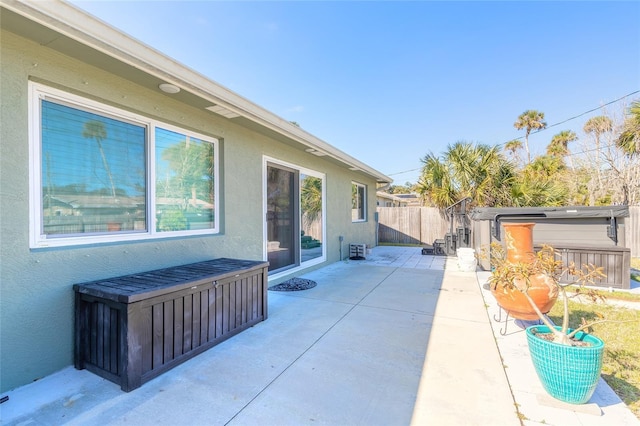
{"x": 390, "y": 81}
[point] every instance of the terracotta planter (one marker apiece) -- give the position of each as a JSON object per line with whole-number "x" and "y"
{"x": 542, "y": 289}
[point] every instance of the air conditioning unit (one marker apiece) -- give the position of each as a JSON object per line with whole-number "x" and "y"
{"x": 357, "y": 251}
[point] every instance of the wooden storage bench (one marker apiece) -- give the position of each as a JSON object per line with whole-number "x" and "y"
{"x": 133, "y": 328}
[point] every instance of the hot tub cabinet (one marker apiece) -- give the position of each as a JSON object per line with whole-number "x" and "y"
{"x": 580, "y": 234}
{"x": 133, "y": 328}
{"x": 615, "y": 261}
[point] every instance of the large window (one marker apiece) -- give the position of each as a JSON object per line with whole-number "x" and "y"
{"x": 100, "y": 174}
{"x": 358, "y": 202}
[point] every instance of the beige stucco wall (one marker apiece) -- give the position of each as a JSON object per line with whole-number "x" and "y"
{"x": 36, "y": 303}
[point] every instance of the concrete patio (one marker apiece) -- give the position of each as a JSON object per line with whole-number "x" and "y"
{"x": 399, "y": 338}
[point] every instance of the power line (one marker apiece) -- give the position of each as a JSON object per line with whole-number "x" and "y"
{"x": 584, "y": 151}
{"x": 406, "y": 171}
{"x": 595, "y": 109}
{"x": 573, "y": 118}
{"x": 541, "y": 130}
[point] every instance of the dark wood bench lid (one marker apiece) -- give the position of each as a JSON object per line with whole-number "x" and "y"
{"x": 144, "y": 285}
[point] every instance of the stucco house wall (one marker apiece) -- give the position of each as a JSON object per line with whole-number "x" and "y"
{"x": 36, "y": 303}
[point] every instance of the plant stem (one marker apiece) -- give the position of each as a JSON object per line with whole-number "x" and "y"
{"x": 565, "y": 316}
{"x": 558, "y": 336}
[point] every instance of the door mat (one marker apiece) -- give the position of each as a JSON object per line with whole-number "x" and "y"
{"x": 294, "y": 284}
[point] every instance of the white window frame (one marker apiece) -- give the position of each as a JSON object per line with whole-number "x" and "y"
{"x": 37, "y": 237}
{"x": 364, "y": 204}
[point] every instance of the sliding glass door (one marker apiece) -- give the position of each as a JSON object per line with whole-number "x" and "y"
{"x": 282, "y": 223}
{"x": 294, "y": 206}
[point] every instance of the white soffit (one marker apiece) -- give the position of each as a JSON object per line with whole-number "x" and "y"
{"x": 222, "y": 111}
{"x": 316, "y": 152}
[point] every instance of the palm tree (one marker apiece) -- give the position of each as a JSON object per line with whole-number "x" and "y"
{"x": 435, "y": 184}
{"x": 311, "y": 200}
{"x": 95, "y": 130}
{"x": 512, "y": 147}
{"x": 559, "y": 145}
{"x": 482, "y": 173}
{"x": 597, "y": 126}
{"x": 530, "y": 120}
{"x": 538, "y": 185}
{"x": 547, "y": 166}
{"x": 464, "y": 170}
{"x": 553, "y": 162}
{"x": 629, "y": 139}
{"x": 495, "y": 190}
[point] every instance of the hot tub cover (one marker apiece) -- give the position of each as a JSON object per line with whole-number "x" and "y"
{"x": 566, "y": 212}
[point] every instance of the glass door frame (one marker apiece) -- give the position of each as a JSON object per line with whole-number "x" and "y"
{"x": 298, "y": 170}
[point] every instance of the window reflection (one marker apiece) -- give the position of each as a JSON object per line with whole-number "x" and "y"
{"x": 311, "y": 217}
{"x": 93, "y": 172}
{"x": 184, "y": 182}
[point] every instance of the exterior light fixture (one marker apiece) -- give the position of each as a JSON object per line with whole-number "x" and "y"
{"x": 169, "y": 88}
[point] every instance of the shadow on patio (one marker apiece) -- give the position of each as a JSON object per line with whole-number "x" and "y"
{"x": 399, "y": 338}
{"x": 349, "y": 351}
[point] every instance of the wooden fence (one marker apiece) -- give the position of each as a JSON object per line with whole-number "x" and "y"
{"x": 410, "y": 225}
{"x": 422, "y": 225}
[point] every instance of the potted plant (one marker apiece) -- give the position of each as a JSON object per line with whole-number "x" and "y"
{"x": 517, "y": 268}
{"x": 567, "y": 361}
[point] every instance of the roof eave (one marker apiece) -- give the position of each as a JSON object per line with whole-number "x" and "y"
{"x": 84, "y": 28}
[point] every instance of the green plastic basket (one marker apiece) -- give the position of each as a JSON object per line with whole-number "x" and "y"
{"x": 568, "y": 373}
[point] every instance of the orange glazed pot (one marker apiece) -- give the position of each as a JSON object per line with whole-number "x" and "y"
{"x": 542, "y": 288}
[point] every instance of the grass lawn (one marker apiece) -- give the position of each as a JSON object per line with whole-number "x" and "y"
{"x": 621, "y": 364}
{"x": 615, "y": 294}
